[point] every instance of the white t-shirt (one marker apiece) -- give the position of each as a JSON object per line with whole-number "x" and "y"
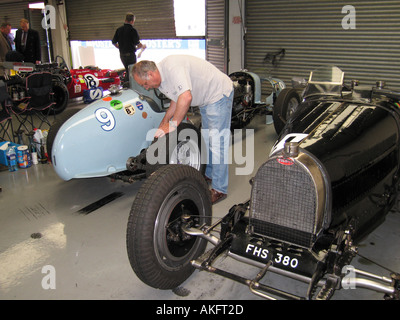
{"x": 180, "y": 73}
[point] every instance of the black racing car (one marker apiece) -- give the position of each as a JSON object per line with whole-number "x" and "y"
{"x": 330, "y": 179}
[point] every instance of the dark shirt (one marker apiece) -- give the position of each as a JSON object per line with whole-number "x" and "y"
{"x": 32, "y": 50}
{"x": 127, "y": 38}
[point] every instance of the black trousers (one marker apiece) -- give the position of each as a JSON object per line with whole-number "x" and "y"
{"x": 128, "y": 59}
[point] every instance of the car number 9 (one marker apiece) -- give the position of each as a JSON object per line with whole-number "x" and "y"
{"x": 105, "y": 117}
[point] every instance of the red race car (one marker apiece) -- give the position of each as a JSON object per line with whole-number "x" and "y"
{"x": 92, "y": 78}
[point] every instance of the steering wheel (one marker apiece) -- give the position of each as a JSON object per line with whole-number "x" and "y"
{"x": 64, "y": 68}
{"x": 161, "y": 96}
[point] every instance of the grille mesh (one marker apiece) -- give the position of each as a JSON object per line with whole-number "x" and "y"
{"x": 283, "y": 203}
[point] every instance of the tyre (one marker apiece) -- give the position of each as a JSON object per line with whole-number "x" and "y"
{"x": 182, "y": 146}
{"x": 60, "y": 97}
{"x": 56, "y": 126}
{"x": 285, "y": 105}
{"x": 158, "y": 249}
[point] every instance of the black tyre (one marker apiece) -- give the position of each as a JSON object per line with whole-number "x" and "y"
{"x": 181, "y": 146}
{"x": 158, "y": 249}
{"x": 56, "y": 125}
{"x": 285, "y": 105}
{"x": 60, "y": 97}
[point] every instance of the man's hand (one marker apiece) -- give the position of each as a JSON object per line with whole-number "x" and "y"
{"x": 165, "y": 128}
{"x": 177, "y": 112}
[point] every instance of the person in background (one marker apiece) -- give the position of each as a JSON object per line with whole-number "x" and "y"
{"x": 6, "y": 31}
{"x": 127, "y": 40}
{"x": 4, "y": 49}
{"x": 191, "y": 81}
{"x": 27, "y": 42}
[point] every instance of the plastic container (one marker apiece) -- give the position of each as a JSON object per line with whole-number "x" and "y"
{"x": 12, "y": 159}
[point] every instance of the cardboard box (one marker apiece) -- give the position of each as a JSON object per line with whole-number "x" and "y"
{"x": 3, "y": 150}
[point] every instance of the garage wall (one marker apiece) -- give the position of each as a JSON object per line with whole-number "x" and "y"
{"x": 217, "y": 33}
{"x": 13, "y": 12}
{"x": 98, "y": 20}
{"x": 366, "y": 45}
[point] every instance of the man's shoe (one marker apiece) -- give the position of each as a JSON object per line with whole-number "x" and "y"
{"x": 217, "y": 196}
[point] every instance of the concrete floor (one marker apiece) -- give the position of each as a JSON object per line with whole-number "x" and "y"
{"x": 43, "y": 234}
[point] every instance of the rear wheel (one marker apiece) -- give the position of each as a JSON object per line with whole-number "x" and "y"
{"x": 285, "y": 105}
{"x": 159, "y": 250}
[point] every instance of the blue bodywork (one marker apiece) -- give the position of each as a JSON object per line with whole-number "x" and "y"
{"x": 98, "y": 140}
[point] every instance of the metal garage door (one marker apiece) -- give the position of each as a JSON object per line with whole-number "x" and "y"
{"x": 12, "y": 12}
{"x": 98, "y": 20}
{"x": 217, "y": 33}
{"x": 363, "y": 39}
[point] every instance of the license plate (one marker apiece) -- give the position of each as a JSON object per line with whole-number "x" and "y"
{"x": 279, "y": 258}
{"x": 298, "y": 261}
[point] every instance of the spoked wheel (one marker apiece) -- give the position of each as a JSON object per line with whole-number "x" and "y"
{"x": 158, "y": 249}
{"x": 182, "y": 146}
{"x": 186, "y": 152}
{"x": 285, "y": 105}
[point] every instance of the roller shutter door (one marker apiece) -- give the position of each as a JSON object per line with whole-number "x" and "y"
{"x": 313, "y": 33}
{"x": 98, "y": 20}
{"x": 13, "y": 12}
{"x": 216, "y": 33}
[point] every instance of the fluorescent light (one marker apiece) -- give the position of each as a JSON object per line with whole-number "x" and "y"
{"x": 36, "y": 5}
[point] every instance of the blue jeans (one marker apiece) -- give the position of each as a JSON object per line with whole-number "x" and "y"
{"x": 216, "y": 124}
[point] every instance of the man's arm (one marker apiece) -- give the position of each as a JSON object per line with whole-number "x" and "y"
{"x": 114, "y": 40}
{"x": 175, "y": 113}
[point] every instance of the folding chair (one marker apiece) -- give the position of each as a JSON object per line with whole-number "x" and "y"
{"x": 38, "y": 102}
{"x": 6, "y": 126}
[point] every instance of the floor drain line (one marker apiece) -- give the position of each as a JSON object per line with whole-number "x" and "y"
{"x": 100, "y": 203}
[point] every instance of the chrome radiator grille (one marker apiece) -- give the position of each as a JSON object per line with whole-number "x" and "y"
{"x": 283, "y": 202}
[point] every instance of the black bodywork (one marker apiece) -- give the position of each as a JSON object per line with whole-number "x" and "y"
{"x": 330, "y": 179}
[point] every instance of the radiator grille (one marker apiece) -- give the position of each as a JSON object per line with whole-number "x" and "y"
{"x": 283, "y": 203}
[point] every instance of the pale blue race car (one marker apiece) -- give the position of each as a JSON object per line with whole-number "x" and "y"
{"x": 113, "y": 135}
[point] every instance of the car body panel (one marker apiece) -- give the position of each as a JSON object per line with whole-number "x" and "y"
{"x": 98, "y": 140}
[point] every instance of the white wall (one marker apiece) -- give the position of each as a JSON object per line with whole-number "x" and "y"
{"x": 59, "y": 34}
{"x": 236, "y": 33}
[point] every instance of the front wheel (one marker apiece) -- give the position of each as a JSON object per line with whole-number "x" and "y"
{"x": 60, "y": 97}
{"x": 181, "y": 146}
{"x": 159, "y": 250}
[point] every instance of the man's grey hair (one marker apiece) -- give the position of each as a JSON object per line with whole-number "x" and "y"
{"x": 142, "y": 68}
